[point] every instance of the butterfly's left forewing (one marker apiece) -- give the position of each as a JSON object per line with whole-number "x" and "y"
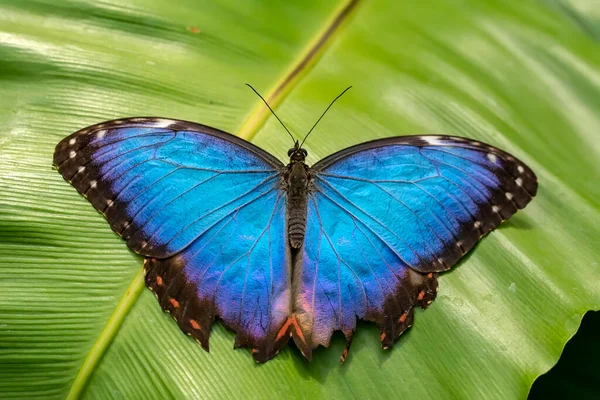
{"x": 384, "y": 217}
{"x": 207, "y": 211}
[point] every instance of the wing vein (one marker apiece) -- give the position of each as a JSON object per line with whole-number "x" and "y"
{"x": 264, "y": 181}
{"x": 376, "y": 220}
{"x": 249, "y": 254}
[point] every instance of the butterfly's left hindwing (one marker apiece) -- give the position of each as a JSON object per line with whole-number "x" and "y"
{"x": 384, "y": 217}
{"x": 207, "y": 210}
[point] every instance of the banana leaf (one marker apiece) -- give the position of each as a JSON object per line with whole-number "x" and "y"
{"x": 75, "y": 318}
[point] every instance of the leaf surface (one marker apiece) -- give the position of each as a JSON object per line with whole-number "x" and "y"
{"x": 523, "y": 76}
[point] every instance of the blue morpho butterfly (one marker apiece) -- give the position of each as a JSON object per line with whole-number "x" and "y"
{"x": 291, "y": 251}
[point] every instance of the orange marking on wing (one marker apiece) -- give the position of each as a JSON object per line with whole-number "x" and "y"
{"x": 195, "y": 324}
{"x": 283, "y": 329}
{"x": 403, "y": 318}
{"x": 430, "y": 275}
{"x": 382, "y": 337}
{"x": 297, "y": 329}
{"x": 254, "y": 351}
{"x": 421, "y": 295}
{"x": 174, "y": 302}
{"x": 159, "y": 280}
{"x": 344, "y": 356}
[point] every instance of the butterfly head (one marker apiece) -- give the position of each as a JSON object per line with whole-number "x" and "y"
{"x": 297, "y": 153}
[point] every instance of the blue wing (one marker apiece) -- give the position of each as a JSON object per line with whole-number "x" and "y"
{"x": 384, "y": 217}
{"x": 207, "y": 211}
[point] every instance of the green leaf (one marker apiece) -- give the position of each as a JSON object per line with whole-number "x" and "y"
{"x": 524, "y": 76}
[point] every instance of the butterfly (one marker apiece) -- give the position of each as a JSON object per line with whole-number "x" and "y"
{"x": 282, "y": 252}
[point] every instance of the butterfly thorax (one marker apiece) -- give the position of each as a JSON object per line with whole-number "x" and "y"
{"x": 297, "y": 188}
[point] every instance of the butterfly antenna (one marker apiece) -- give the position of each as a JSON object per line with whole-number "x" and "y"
{"x": 269, "y": 107}
{"x": 322, "y": 115}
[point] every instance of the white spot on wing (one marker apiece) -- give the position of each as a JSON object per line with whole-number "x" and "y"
{"x": 93, "y": 184}
{"x": 519, "y": 181}
{"x": 433, "y": 140}
{"x": 162, "y": 123}
{"x": 477, "y": 224}
{"x": 495, "y": 209}
{"x": 80, "y": 169}
{"x": 72, "y": 154}
{"x": 101, "y": 133}
{"x": 72, "y": 141}
{"x": 520, "y": 169}
{"x": 492, "y": 157}
{"x": 109, "y": 203}
{"x": 509, "y": 195}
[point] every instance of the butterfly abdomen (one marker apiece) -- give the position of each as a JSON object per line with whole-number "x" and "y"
{"x": 297, "y": 181}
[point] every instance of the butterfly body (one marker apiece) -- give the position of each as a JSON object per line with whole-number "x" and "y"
{"x": 291, "y": 251}
{"x": 298, "y": 183}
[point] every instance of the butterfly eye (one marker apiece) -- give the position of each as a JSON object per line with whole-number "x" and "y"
{"x": 304, "y": 152}
{"x": 290, "y": 152}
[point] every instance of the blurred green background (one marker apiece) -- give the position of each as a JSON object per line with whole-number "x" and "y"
{"x": 523, "y": 76}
